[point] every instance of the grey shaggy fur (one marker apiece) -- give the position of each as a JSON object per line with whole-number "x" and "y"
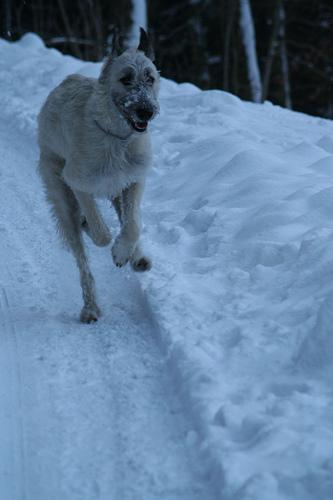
{"x": 94, "y": 142}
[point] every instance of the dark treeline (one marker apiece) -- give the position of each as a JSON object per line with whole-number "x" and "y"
{"x": 201, "y": 41}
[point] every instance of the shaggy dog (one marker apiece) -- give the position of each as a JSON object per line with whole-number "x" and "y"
{"x": 94, "y": 142}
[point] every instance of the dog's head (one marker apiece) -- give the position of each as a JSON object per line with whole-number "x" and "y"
{"x": 131, "y": 79}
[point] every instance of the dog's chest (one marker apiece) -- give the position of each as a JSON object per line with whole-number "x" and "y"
{"x": 116, "y": 169}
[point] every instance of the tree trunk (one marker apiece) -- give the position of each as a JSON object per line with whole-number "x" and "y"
{"x": 248, "y": 34}
{"x": 227, "y": 38}
{"x": 284, "y": 56}
{"x": 68, "y": 29}
{"x": 8, "y": 19}
{"x": 271, "y": 51}
{"x": 86, "y": 30}
{"x": 96, "y": 15}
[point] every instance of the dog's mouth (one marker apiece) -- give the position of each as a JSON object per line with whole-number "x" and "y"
{"x": 139, "y": 126}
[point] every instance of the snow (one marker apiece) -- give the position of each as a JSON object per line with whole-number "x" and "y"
{"x": 210, "y": 376}
{"x": 85, "y": 413}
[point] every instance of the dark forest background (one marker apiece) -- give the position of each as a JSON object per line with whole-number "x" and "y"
{"x": 199, "y": 41}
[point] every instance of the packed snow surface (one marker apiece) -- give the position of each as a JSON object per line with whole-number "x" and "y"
{"x": 211, "y": 376}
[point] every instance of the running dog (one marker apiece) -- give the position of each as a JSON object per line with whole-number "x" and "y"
{"x": 94, "y": 143}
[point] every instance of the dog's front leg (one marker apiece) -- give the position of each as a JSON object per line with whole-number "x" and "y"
{"x": 92, "y": 220}
{"x": 128, "y": 208}
{"x": 139, "y": 261}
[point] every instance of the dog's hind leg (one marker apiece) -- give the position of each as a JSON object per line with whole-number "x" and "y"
{"x": 92, "y": 222}
{"x": 66, "y": 211}
{"x": 138, "y": 260}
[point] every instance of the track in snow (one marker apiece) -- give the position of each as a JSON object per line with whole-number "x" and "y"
{"x": 86, "y": 412}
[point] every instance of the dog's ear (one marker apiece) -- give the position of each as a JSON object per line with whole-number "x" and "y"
{"x": 146, "y": 44}
{"x": 116, "y": 50}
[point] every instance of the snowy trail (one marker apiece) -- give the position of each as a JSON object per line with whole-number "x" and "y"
{"x": 87, "y": 411}
{"x": 238, "y": 219}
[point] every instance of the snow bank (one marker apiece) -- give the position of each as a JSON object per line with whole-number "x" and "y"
{"x": 239, "y": 220}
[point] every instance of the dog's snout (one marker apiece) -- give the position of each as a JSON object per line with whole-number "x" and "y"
{"x": 144, "y": 114}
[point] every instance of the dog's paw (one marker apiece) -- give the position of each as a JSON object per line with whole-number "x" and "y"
{"x": 90, "y": 314}
{"x": 122, "y": 251}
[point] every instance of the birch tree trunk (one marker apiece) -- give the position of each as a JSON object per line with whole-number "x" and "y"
{"x": 248, "y": 35}
{"x": 139, "y": 19}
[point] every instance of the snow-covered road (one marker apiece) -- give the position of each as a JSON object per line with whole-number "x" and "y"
{"x": 211, "y": 375}
{"x": 87, "y": 412}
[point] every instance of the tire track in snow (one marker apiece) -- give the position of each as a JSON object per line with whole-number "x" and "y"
{"x": 12, "y": 451}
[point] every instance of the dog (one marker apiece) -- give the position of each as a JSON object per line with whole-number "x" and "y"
{"x": 94, "y": 143}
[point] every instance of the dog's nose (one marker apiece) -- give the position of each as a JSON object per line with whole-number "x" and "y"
{"x": 144, "y": 114}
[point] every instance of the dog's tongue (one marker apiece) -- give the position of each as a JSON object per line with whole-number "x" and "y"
{"x": 141, "y": 126}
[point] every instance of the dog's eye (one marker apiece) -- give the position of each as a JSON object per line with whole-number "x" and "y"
{"x": 150, "y": 80}
{"x": 126, "y": 80}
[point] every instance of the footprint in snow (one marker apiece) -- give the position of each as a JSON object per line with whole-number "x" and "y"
{"x": 198, "y": 221}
